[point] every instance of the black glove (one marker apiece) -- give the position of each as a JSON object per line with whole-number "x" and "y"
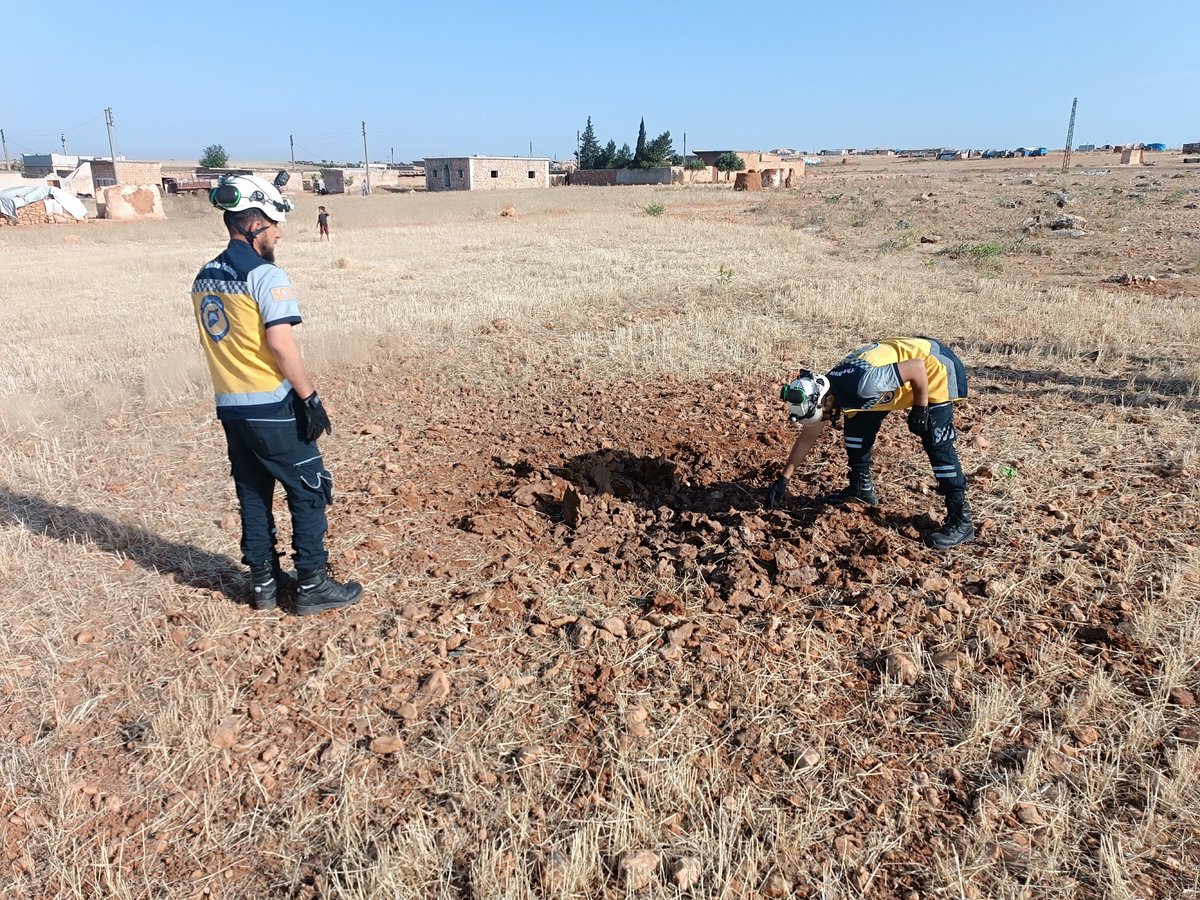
{"x": 315, "y": 419}
{"x": 918, "y": 420}
{"x": 776, "y": 493}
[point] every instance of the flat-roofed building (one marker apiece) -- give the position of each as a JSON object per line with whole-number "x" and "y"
{"x": 486, "y": 173}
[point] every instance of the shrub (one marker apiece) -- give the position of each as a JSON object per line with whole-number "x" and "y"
{"x": 730, "y": 162}
{"x": 214, "y": 157}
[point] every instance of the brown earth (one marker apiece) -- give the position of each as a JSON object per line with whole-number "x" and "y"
{"x": 1139, "y": 220}
{"x": 579, "y": 616}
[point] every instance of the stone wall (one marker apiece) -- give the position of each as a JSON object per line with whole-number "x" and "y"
{"x": 493, "y": 174}
{"x": 34, "y": 214}
{"x": 593, "y": 177}
{"x": 133, "y": 201}
{"x": 451, "y": 173}
{"x": 657, "y": 175}
{"x": 129, "y": 172}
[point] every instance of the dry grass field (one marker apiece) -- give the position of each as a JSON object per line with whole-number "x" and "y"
{"x": 588, "y": 663}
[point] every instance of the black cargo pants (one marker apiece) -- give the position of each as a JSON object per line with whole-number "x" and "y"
{"x": 262, "y": 453}
{"x": 938, "y": 442}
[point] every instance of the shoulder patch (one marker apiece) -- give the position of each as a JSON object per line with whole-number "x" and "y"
{"x": 287, "y": 292}
{"x": 212, "y": 314}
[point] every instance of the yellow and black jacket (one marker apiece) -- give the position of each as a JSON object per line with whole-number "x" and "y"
{"x": 237, "y": 297}
{"x": 869, "y": 378}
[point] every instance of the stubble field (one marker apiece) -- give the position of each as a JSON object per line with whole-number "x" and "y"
{"x": 588, "y": 663}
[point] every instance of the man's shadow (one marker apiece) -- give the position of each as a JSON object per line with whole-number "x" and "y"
{"x": 186, "y": 563}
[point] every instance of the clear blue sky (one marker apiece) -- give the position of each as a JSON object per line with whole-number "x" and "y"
{"x": 445, "y": 78}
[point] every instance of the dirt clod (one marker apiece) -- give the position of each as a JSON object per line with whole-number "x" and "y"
{"x": 637, "y": 868}
{"x": 685, "y": 872}
{"x": 225, "y": 734}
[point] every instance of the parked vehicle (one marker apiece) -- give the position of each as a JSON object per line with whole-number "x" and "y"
{"x": 1157, "y": 148}
{"x": 189, "y": 185}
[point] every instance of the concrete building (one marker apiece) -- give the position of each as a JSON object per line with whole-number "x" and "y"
{"x": 754, "y": 159}
{"x": 40, "y": 165}
{"x": 127, "y": 171}
{"x": 486, "y": 173}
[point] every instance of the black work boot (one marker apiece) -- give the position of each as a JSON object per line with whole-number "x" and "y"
{"x": 267, "y": 583}
{"x": 957, "y": 528}
{"x": 317, "y": 592}
{"x": 861, "y": 489}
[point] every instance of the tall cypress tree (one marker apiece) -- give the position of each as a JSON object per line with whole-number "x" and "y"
{"x": 639, "y": 153}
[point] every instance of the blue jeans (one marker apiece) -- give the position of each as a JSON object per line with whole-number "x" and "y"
{"x": 262, "y": 453}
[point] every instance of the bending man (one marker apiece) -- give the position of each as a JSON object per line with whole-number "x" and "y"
{"x": 905, "y": 373}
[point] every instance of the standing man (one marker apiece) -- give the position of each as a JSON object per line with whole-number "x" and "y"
{"x": 246, "y": 309}
{"x": 916, "y": 374}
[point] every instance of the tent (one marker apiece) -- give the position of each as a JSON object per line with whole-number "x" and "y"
{"x": 58, "y": 202}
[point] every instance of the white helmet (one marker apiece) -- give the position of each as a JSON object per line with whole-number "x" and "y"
{"x": 235, "y": 193}
{"x": 805, "y": 395}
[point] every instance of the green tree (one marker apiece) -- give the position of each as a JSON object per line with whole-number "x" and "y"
{"x": 695, "y": 164}
{"x": 623, "y": 158}
{"x": 730, "y": 162}
{"x": 639, "y": 154}
{"x": 607, "y": 155}
{"x": 589, "y": 148}
{"x": 659, "y": 151}
{"x": 214, "y": 157}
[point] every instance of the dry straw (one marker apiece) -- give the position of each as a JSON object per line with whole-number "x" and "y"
{"x": 164, "y": 743}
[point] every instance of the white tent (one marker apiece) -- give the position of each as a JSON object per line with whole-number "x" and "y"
{"x": 58, "y": 202}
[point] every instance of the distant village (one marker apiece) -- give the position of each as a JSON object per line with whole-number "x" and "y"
{"x": 49, "y": 186}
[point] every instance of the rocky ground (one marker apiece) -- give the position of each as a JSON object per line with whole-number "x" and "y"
{"x": 1100, "y": 223}
{"x": 590, "y": 664}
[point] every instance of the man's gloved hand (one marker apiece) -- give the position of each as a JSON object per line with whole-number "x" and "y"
{"x": 918, "y": 420}
{"x": 776, "y": 493}
{"x": 316, "y": 420}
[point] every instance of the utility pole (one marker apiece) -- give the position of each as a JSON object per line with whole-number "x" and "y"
{"x": 685, "y": 146}
{"x": 577, "y": 150}
{"x": 531, "y": 149}
{"x": 4, "y": 142}
{"x": 108, "y": 120}
{"x": 366, "y": 158}
{"x": 1070, "y": 136}
{"x": 392, "y": 155}
{"x": 63, "y": 137}
{"x": 292, "y": 142}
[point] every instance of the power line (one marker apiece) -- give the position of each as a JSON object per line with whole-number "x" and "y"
{"x": 19, "y": 144}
